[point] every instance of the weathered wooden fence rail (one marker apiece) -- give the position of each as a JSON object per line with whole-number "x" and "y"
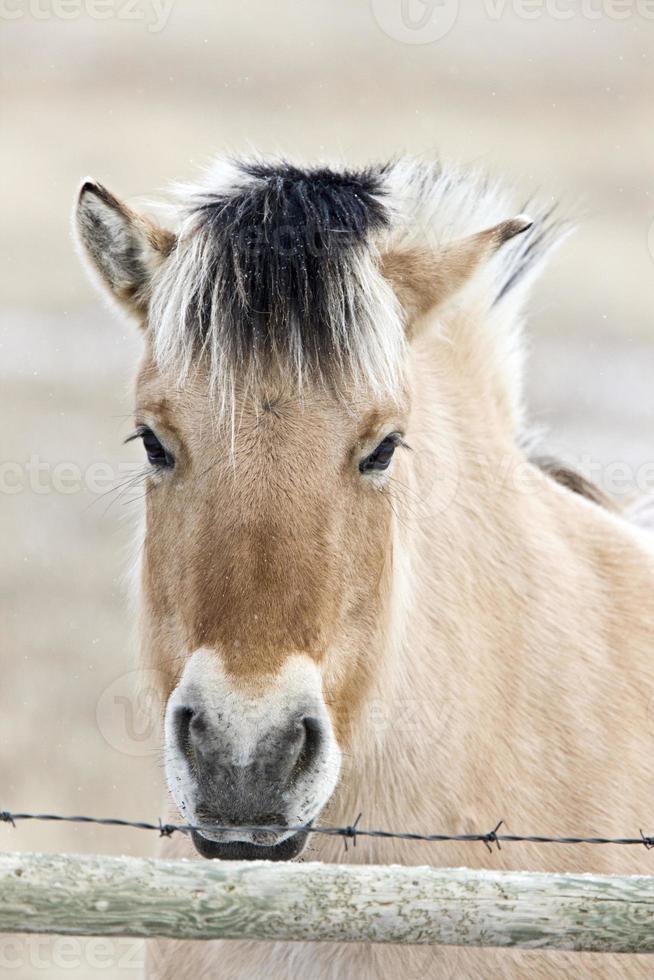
{"x": 123, "y": 896}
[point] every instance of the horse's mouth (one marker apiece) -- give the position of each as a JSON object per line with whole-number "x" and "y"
{"x": 238, "y": 850}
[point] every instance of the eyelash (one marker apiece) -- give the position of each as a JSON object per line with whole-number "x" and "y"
{"x": 158, "y": 455}
{"x": 380, "y": 458}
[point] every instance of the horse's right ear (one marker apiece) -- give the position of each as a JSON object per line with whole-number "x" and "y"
{"x": 121, "y": 247}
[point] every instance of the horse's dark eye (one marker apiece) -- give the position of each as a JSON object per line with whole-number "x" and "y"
{"x": 380, "y": 459}
{"x": 157, "y": 455}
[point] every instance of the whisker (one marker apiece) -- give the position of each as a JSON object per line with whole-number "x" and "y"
{"x": 119, "y": 489}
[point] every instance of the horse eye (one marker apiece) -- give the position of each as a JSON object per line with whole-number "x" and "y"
{"x": 381, "y": 458}
{"x": 157, "y": 455}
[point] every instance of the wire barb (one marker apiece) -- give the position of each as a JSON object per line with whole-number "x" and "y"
{"x": 351, "y": 832}
{"x": 166, "y": 829}
{"x": 492, "y": 838}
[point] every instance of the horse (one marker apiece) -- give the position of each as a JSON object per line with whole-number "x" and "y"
{"x": 360, "y": 591}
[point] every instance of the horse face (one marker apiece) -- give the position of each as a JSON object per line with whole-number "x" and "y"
{"x": 265, "y": 566}
{"x": 269, "y": 547}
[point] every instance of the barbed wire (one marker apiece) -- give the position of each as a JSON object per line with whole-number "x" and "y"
{"x": 351, "y": 832}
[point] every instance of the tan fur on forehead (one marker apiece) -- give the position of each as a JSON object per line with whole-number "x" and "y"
{"x": 158, "y": 394}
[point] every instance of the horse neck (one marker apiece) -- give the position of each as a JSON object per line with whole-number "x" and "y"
{"x": 461, "y": 521}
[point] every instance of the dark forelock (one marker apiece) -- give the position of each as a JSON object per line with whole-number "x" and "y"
{"x": 280, "y": 245}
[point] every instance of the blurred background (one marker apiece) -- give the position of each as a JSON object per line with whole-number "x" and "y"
{"x": 556, "y": 97}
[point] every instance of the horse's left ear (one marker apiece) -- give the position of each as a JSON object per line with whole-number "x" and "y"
{"x": 123, "y": 248}
{"x": 425, "y": 279}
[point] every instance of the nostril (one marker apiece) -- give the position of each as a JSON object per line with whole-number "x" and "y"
{"x": 312, "y": 738}
{"x": 182, "y": 721}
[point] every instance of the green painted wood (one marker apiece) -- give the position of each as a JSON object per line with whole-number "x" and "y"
{"x": 124, "y": 896}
